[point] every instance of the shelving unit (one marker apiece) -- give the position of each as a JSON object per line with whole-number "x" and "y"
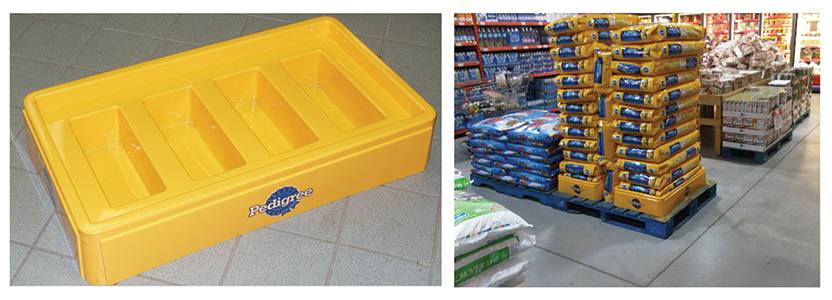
{"x": 717, "y": 27}
{"x": 696, "y": 19}
{"x": 807, "y": 43}
{"x": 778, "y": 28}
{"x": 743, "y": 23}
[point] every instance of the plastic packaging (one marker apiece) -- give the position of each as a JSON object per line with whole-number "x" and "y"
{"x": 500, "y": 274}
{"x": 574, "y": 66}
{"x": 579, "y": 144}
{"x": 660, "y": 153}
{"x": 646, "y": 33}
{"x": 575, "y": 95}
{"x": 636, "y": 166}
{"x": 473, "y": 263}
{"x": 652, "y": 128}
{"x": 659, "y": 181}
{"x": 479, "y": 221}
{"x": 577, "y": 51}
{"x": 656, "y": 67}
{"x": 588, "y": 169}
{"x": 654, "y": 141}
{"x": 660, "y": 98}
{"x": 574, "y": 81}
{"x": 651, "y": 84}
{"x": 658, "y": 50}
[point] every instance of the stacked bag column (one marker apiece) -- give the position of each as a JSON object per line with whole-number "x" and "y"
{"x": 582, "y": 62}
{"x": 518, "y": 148}
{"x": 655, "y": 111}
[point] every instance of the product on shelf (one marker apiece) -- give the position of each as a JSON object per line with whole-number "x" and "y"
{"x": 655, "y": 109}
{"x": 582, "y": 60}
{"x": 516, "y": 62}
{"x": 464, "y": 18}
{"x": 749, "y": 52}
{"x": 777, "y": 28}
{"x": 464, "y": 35}
{"x": 518, "y": 148}
{"x": 466, "y": 75}
{"x": 745, "y": 23}
{"x": 487, "y": 243}
{"x": 756, "y": 118}
{"x": 511, "y": 17}
{"x": 717, "y": 28}
{"x": 465, "y": 56}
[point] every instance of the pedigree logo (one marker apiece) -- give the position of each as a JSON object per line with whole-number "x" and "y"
{"x": 281, "y": 202}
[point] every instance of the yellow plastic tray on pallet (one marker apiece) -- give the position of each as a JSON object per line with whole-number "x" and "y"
{"x": 154, "y": 161}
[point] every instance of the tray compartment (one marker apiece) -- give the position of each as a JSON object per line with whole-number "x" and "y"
{"x": 332, "y": 90}
{"x": 275, "y": 123}
{"x": 119, "y": 162}
{"x": 193, "y": 134}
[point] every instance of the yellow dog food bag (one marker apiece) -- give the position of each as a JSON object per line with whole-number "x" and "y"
{"x": 574, "y": 66}
{"x": 581, "y": 156}
{"x": 661, "y": 98}
{"x": 651, "y": 114}
{"x": 577, "y": 52}
{"x": 654, "y": 141}
{"x": 611, "y": 21}
{"x": 648, "y": 33}
{"x": 674, "y": 161}
{"x": 657, "y": 50}
{"x": 574, "y": 81}
{"x": 579, "y": 108}
{"x": 659, "y": 181}
{"x": 578, "y": 144}
{"x": 652, "y": 128}
{"x": 579, "y": 121}
{"x": 579, "y": 132}
{"x": 587, "y": 169}
{"x": 659, "y": 192}
{"x": 583, "y": 37}
{"x": 659, "y": 153}
{"x": 656, "y": 67}
{"x": 575, "y": 95}
{"x": 651, "y": 84}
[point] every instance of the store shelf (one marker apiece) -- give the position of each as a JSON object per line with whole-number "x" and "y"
{"x": 467, "y": 64}
{"x": 515, "y": 48}
{"x": 544, "y": 74}
{"x": 463, "y": 23}
{"x": 462, "y": 44}
{"x": 468, "y": 83}
{"x": 492, "y": 23}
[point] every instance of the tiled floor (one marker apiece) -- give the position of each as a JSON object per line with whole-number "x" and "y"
{"x": 762, "y": 229}
{"x": 385, "y": 236}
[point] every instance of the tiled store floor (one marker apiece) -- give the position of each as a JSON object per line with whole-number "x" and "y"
{"x": 385, "y": 236}
{"x": 762, "y": 229}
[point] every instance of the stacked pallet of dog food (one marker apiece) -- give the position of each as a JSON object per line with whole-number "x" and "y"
{"x": 655, "y": 95}
{"x": 519, "y": 148}
{"x": 582, "y": 62}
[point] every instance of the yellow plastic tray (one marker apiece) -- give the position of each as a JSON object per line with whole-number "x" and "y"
{"x": 154, "y": 161}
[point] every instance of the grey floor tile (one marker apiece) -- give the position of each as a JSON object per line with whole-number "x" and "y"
{"x": 393, "y": 222}
{"x": 112, "y": 49}
{"x": 550, "y": 270}
{"x": 422, "y": 29}
{"x": 418, "y": 65}
{"x": 257, "y": 24}
{"x": 15, "y": 159}
{"x": 29, "y": 213}
{"x": 18, "y": 24}
{"x": 205, "y": 29}
{"x": 28, "y": 75}
{"x": 358, "y": 267}
{"x": 17, "y": 253}
{"x": 291, "y": 18}
{"x": 43, "y": 268}
{"x": 93, "y": 20}
{"x": 426, "y": 182}
{"x": 373, "y": 43}
{"x": 54, "y": 238}
{"x": 16, "y": 121}
{"x": 171, "y": 47}
{"x": 321, "y": 223}
{"x": 53, "y": 41}
{"x": 74, "y": 74}
{"x": 202, "y": 268}
{"x": 268, "y": 257}
{"x": 771, "y": 238}
{"x": 436, "y": 265}
{"x": 156, "y": 25}
{"x": 142, "y": 281}
{"x": 366, "y": 24}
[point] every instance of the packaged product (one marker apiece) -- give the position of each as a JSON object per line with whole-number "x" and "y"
{"x": 589, "y": 120}
{"x": 652, "y": 128}
{"x": 542, "y": 130}
{"x": 488, "y": 168}
{"x": 660, "y": 98}
{"x": 658, "y": 192}
{"x": 656, "y": 67}
{"x": 575, "y": 95}
{"x": 460, "y": 181}
{"x": 593, "y": 179}
{"x": 532, "y": 150}
{"x": 574, "y": 66}
{"x": 579, "y": 108}
{"x": 532, "y": 164}
{"x": 605, "y": 103}
{"x": 602, "y": 70}
{"x": 651, "y": 114}
{"x": 491, "y": 144}
{"x": 573, "y": 52}
{"x": 548, "y": 180}
{"x": 651, "y": 83}
{"x": 479, "y": 221}
{"x": 588, "y": 169}
{"x": 473, "y": 263}
{"x": 674, "y": 161}
{"x": 497, "y": 126}
{"x": 656, "y": 51}
{"x": 579, "y": 132}
{"x": 568, "y": 25}
{"x": 611, "y": 21}
{"x": 583, "y": 37}
{"x": 581, "y": 156}
{"x": 579, "y": 145}
{"x": 574, "y": 81}
{"x": 500, "y": 274}
{"x": 647, "y": 33}
{"x": 660, "y": 153}
{"x": 653, "y": 141}
{"x": 659, "y": 182}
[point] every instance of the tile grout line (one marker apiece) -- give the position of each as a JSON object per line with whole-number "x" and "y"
{"x": 156, "y": 279}
{"x": 731, "y": 207}
{"x": 328, "y": 277}
{"x": 230, "y": 259}
{"x": 384, "y": 37}
{"x": 586, "y": 265}
{"x": 437, "y": 233}
{"x": 37, "y": 18}
{"x": 29, "y": 253}
{"x": 406, "y": 190}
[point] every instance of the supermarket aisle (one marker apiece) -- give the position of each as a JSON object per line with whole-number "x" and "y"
{"x": 761, "y": 229}
{"x": 352, "y": 241}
